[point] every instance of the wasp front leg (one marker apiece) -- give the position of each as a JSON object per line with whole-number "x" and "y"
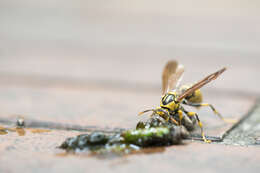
{"x": 193, "y": 114}
{"x": 164, "y": 113}
{"x": 211, "y": 107}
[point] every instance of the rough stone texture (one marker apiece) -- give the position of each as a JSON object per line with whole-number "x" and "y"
{"x": 248, "y": 131}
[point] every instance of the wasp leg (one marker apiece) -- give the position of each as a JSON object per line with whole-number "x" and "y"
{"x": 162, "y": 113}
{"x": 174, "y": 121}
{"x": 180, "y": 116}
{"x": 166, "y": 115}
{"x": 212, "y": 108}
{"x": 199, "y": 123}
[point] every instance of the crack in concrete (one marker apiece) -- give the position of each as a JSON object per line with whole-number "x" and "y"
{"x": 29, "y": 123}
{"x": 247, "y": 131}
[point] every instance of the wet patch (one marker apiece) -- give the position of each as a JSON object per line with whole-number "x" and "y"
{"x": 153, "y": 133}
{"x": 39, "y": 130}
{"x": 3, "y": 132}
{"x": 20, "y": 129}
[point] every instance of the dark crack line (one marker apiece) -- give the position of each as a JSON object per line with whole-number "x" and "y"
{"x": 29, "y": 123}
{"x": 246, "y": 116}
{"x": 198, "y": 137}
{"x": 60, "y": 126}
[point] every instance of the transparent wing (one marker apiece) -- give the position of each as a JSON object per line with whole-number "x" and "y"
{"x": 201, "y": 83}
{"x": 171, "y": 75}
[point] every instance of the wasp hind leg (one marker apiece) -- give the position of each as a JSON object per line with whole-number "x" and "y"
{"x": 191, "y": 114}
{"x": 227, "y": 120}
{"x": 180, "y": 116}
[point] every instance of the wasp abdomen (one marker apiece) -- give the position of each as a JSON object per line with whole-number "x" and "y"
{"x": 195, "y": 97}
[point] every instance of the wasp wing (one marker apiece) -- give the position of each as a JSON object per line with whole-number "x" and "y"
{"x": 175, "y": 79}
{"x": 171, "y": 75}
{"x": 201, "y": 83}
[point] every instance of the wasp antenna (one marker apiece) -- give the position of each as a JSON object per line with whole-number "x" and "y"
{"x": 141, "y": 113}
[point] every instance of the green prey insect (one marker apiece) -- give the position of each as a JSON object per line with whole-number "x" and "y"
{"x": 173, "y": 97}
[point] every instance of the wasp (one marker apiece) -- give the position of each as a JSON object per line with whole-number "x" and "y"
{"x": 173, "y": 97}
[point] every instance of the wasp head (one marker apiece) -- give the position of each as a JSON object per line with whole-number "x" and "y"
{"x": 169, "y": 101}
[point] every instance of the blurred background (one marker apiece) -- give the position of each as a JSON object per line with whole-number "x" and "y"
{"x": 115, "y": 44}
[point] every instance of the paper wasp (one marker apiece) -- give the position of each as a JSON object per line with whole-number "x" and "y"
{"x": 173, "y": 97}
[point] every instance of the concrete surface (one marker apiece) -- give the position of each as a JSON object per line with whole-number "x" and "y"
{"x": 99, "y": 63}
{"x": 247, "y": 132}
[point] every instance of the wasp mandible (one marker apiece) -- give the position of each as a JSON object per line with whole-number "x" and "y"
{"x": 173, "y": 97}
